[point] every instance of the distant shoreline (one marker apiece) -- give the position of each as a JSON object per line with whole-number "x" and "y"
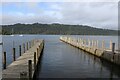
{"x": 55, "y": 29}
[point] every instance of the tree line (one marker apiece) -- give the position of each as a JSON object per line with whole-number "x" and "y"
{"x": 55, "y": 28}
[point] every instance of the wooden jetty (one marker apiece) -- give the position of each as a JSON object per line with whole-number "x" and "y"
{"x": 92, "y": 47}
{"x": 23, "y": 68}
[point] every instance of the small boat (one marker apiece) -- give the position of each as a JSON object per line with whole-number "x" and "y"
{"x": 21, "y": 35}
{"x": 11, "y": 35}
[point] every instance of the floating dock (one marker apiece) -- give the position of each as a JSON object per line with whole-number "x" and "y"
{"x": 91, "y": 47}
{"x": 24, "y": 67}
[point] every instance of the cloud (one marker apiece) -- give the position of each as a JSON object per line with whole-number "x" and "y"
{"x": 27, "y": 18}
{"x": 97, "y": 14}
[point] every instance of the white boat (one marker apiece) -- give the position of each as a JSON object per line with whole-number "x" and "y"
{"x": 21, "y": 35}
{"x": 11, "y": 35}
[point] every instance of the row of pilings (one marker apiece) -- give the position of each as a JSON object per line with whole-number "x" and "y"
{"x": 92, "y": 47}
{"x": 24, "y": 67}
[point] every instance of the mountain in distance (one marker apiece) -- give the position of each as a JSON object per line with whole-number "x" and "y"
{"x": 56, "y": 29}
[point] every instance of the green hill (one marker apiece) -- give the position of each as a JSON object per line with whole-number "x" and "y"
{"x": 55, "y": 28}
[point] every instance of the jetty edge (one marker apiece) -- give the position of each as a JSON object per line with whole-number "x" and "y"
{"x": 91, "y": 47}
{"x": 24, "y": 67}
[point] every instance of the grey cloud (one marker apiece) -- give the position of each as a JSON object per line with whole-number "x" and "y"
{"x": 12, "y": 19}
{"x": 97, "y": 14}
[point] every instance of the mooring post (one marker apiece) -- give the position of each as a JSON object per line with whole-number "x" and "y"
{"x": 39, "y": 47}
{"x": 77, "y": 42}
{"x": 34, "y": 60}
{"x": 14, "y": 54}
{"x": 110, "y": 45}
{"x": 69, "y": 40}
{"x": 33, "y": 43}
{"x": 4, "y": 60}
{"x": 103, "y": 45}
{"x": 97, "y": 44}
{"x": 92, "y": 43}
{"x": 37, "y": 53}
{"x": 20, "y": 50}
{"x": 84, "y": 42}
{"x": 29, "y": 44}
{"x": 26, "y": 45}
{"x": 113, "y": 47}
{"x": 23, "y": 47}
{"x": 89, "y": 43}
{"x": 30, "y": 69}
{"x": 80, "y": 42}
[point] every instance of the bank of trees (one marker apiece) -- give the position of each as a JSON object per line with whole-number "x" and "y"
{"x": 38, "y": 28}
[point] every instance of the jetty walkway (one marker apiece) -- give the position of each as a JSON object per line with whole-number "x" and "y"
{"x": 91, "y": 47}
{"x": 24, "y": 66}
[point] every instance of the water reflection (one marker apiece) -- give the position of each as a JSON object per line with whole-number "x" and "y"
{"x": 61, "y": 60}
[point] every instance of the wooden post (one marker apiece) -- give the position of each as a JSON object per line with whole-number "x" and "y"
{"x": 32, "y": 42}
{"x": 14, "y": 54}
{"x": 24, "y": 47}
{"x": 103, "y": 44}
{"x": 4, "y": 60}
{"x": 113, "y": 47}
{"x": 97, "y": 44}
{"x": 37, "y": 53}
{"x": 89, "y": 43}
{"x": 110, "y": 45}
{"x": 92, "y": 43}
{"x": 80, "y": 41}
{"x": 30, "y": 69}
{"x": 39, "y": 47}
{"x": 34, "y": 60}
{"x": 20, "y": 50}
{"x": 29, "y": 44}
{"x": 84, "y": 42}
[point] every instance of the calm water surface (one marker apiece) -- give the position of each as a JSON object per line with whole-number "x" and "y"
{"x": 61, "y": 60}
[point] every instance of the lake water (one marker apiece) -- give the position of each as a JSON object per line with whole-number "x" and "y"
{"x": 61, "y": 60}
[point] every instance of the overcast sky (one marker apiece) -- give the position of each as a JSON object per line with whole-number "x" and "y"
{"x": 96, "y": 14}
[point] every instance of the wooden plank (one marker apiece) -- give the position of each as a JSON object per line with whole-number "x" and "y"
{"x": 21, "y": 63}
